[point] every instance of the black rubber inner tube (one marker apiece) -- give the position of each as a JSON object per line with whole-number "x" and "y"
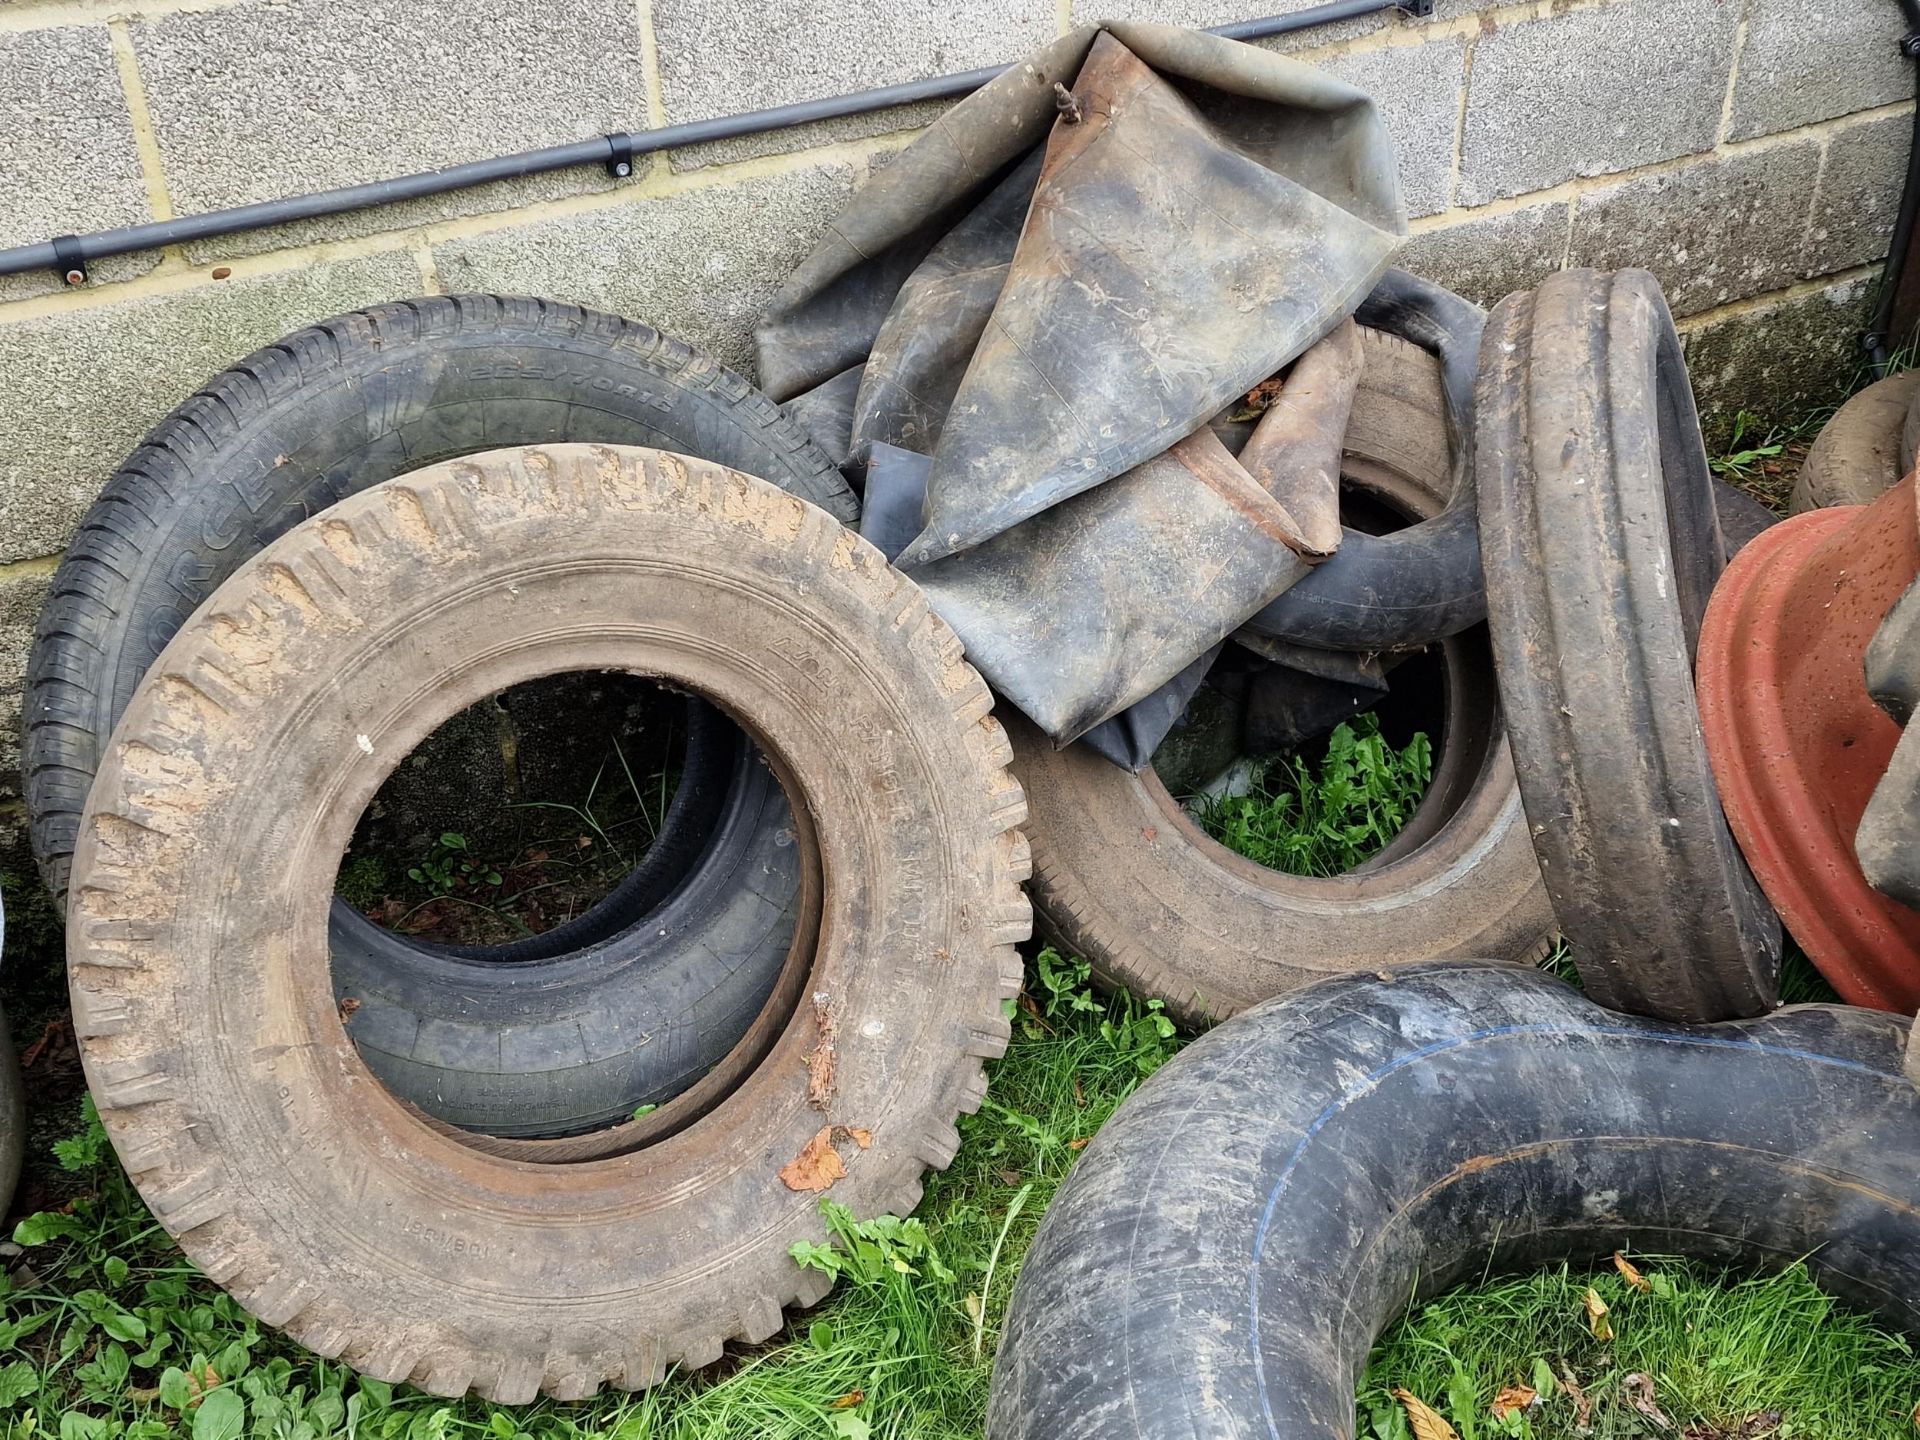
{"x": 1227, "y": 1250}
{"x": 1424, "y": 583}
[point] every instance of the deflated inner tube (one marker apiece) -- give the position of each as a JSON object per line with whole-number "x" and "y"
{"x": 1598, "y": 523}
{"x": 323, "y": 414}
{"x": 1223, "y": 1256}
{"x": 1414, "y": 586}
{"x": 1124, "y": 876}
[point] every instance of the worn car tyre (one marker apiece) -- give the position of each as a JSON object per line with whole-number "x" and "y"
{"x": 1864, "y": 450}
{"x": 1601, "y": 544}
{"x": 325, "y": 412}
{"x": 548, "y": 1047}
{"x": 1223, "y": 1256}
{"x": 1125, "y": 878}
{"x": 207, "y": 1021}
{"x": 482, "y": 1037}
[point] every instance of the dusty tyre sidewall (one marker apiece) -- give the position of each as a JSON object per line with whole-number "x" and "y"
{"x": 208, "y": 1028}
{"x": 1863, "y": 450}
{"x": 1127, "y": 881}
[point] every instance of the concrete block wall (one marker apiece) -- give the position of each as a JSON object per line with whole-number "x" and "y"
{"x": 1749, "y": 152}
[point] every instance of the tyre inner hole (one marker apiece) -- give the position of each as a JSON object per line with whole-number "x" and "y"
{"x": 574, "y": 918}
{"x": 1246, "y": 794}
{"x": 520, "y": 814}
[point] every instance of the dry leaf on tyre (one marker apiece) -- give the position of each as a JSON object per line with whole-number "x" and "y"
{"x": 1427, "y": 1422}
{"x": 817, "y": 1165}
{"x": 1630, "y": 1273}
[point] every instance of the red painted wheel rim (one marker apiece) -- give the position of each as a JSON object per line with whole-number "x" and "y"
{"x": 1795, "y": 742}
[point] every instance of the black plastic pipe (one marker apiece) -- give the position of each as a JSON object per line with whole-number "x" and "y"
{"x": 68, "y": 255}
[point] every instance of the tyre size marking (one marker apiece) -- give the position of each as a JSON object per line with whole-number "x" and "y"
{"x": 577, "y": 378}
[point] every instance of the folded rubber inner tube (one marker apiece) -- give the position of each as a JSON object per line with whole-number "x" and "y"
{"x": 1225, "y": 1253}
{"x": 1419, "y": 584}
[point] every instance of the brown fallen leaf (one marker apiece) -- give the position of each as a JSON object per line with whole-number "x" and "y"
{"x": 1081, "y": 1143}
{"x": 1260, "y": 399}
{"x": 1640, "y": 1394}
{"x": 848, "y": 1400}
{"x": 1630, "y": 1273}
{"x": 1427, "y": 1422}
{"x": 1597, "y": 1321}
{"x": 348, "y": 1005}
{"x": 55, "y": 1039}
{"x": 820, "y": 1060}
{"x": 817, "y": 1165}
{"x": 1754, "y": 1427}
{"x": 199, "y": 1382}
{"x": 1514, "y": 1398}
{"x": 862, "y": 1138}
{"x": 1582, "y": 1402}
{"x": 1031, "y": 1010}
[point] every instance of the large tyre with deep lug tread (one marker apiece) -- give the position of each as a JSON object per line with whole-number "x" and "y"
{"x": 512, "y": 1039}
{"x": 208, "y": 1026}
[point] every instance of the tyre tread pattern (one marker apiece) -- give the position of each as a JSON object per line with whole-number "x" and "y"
{"x": 146, "y": 813}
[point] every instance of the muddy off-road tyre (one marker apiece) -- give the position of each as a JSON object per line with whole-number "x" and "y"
{"x": 1864, "y": 450}
{"x": 328, "y": 411}
{"x": 1124, "y": 877}
{"x": 1601, "y": 544}
{"x": 1223, "y": 1256}
{"x": 206, "y": 1016}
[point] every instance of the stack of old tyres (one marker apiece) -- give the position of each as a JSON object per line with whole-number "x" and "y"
{"x": 581, "y": 1158}
{"x": 1225, "y": 1253}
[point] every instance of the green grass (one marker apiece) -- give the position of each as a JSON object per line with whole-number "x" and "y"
{"x": 1318, "y": 820}
{"x": 1771, "y": 1356}
{"x": 102, "y": 1340}
{"x": 107, "y": 1333}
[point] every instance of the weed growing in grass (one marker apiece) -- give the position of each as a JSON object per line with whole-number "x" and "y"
{"x": 1319, "y": 821}
{"x": 1743, "y": 456}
